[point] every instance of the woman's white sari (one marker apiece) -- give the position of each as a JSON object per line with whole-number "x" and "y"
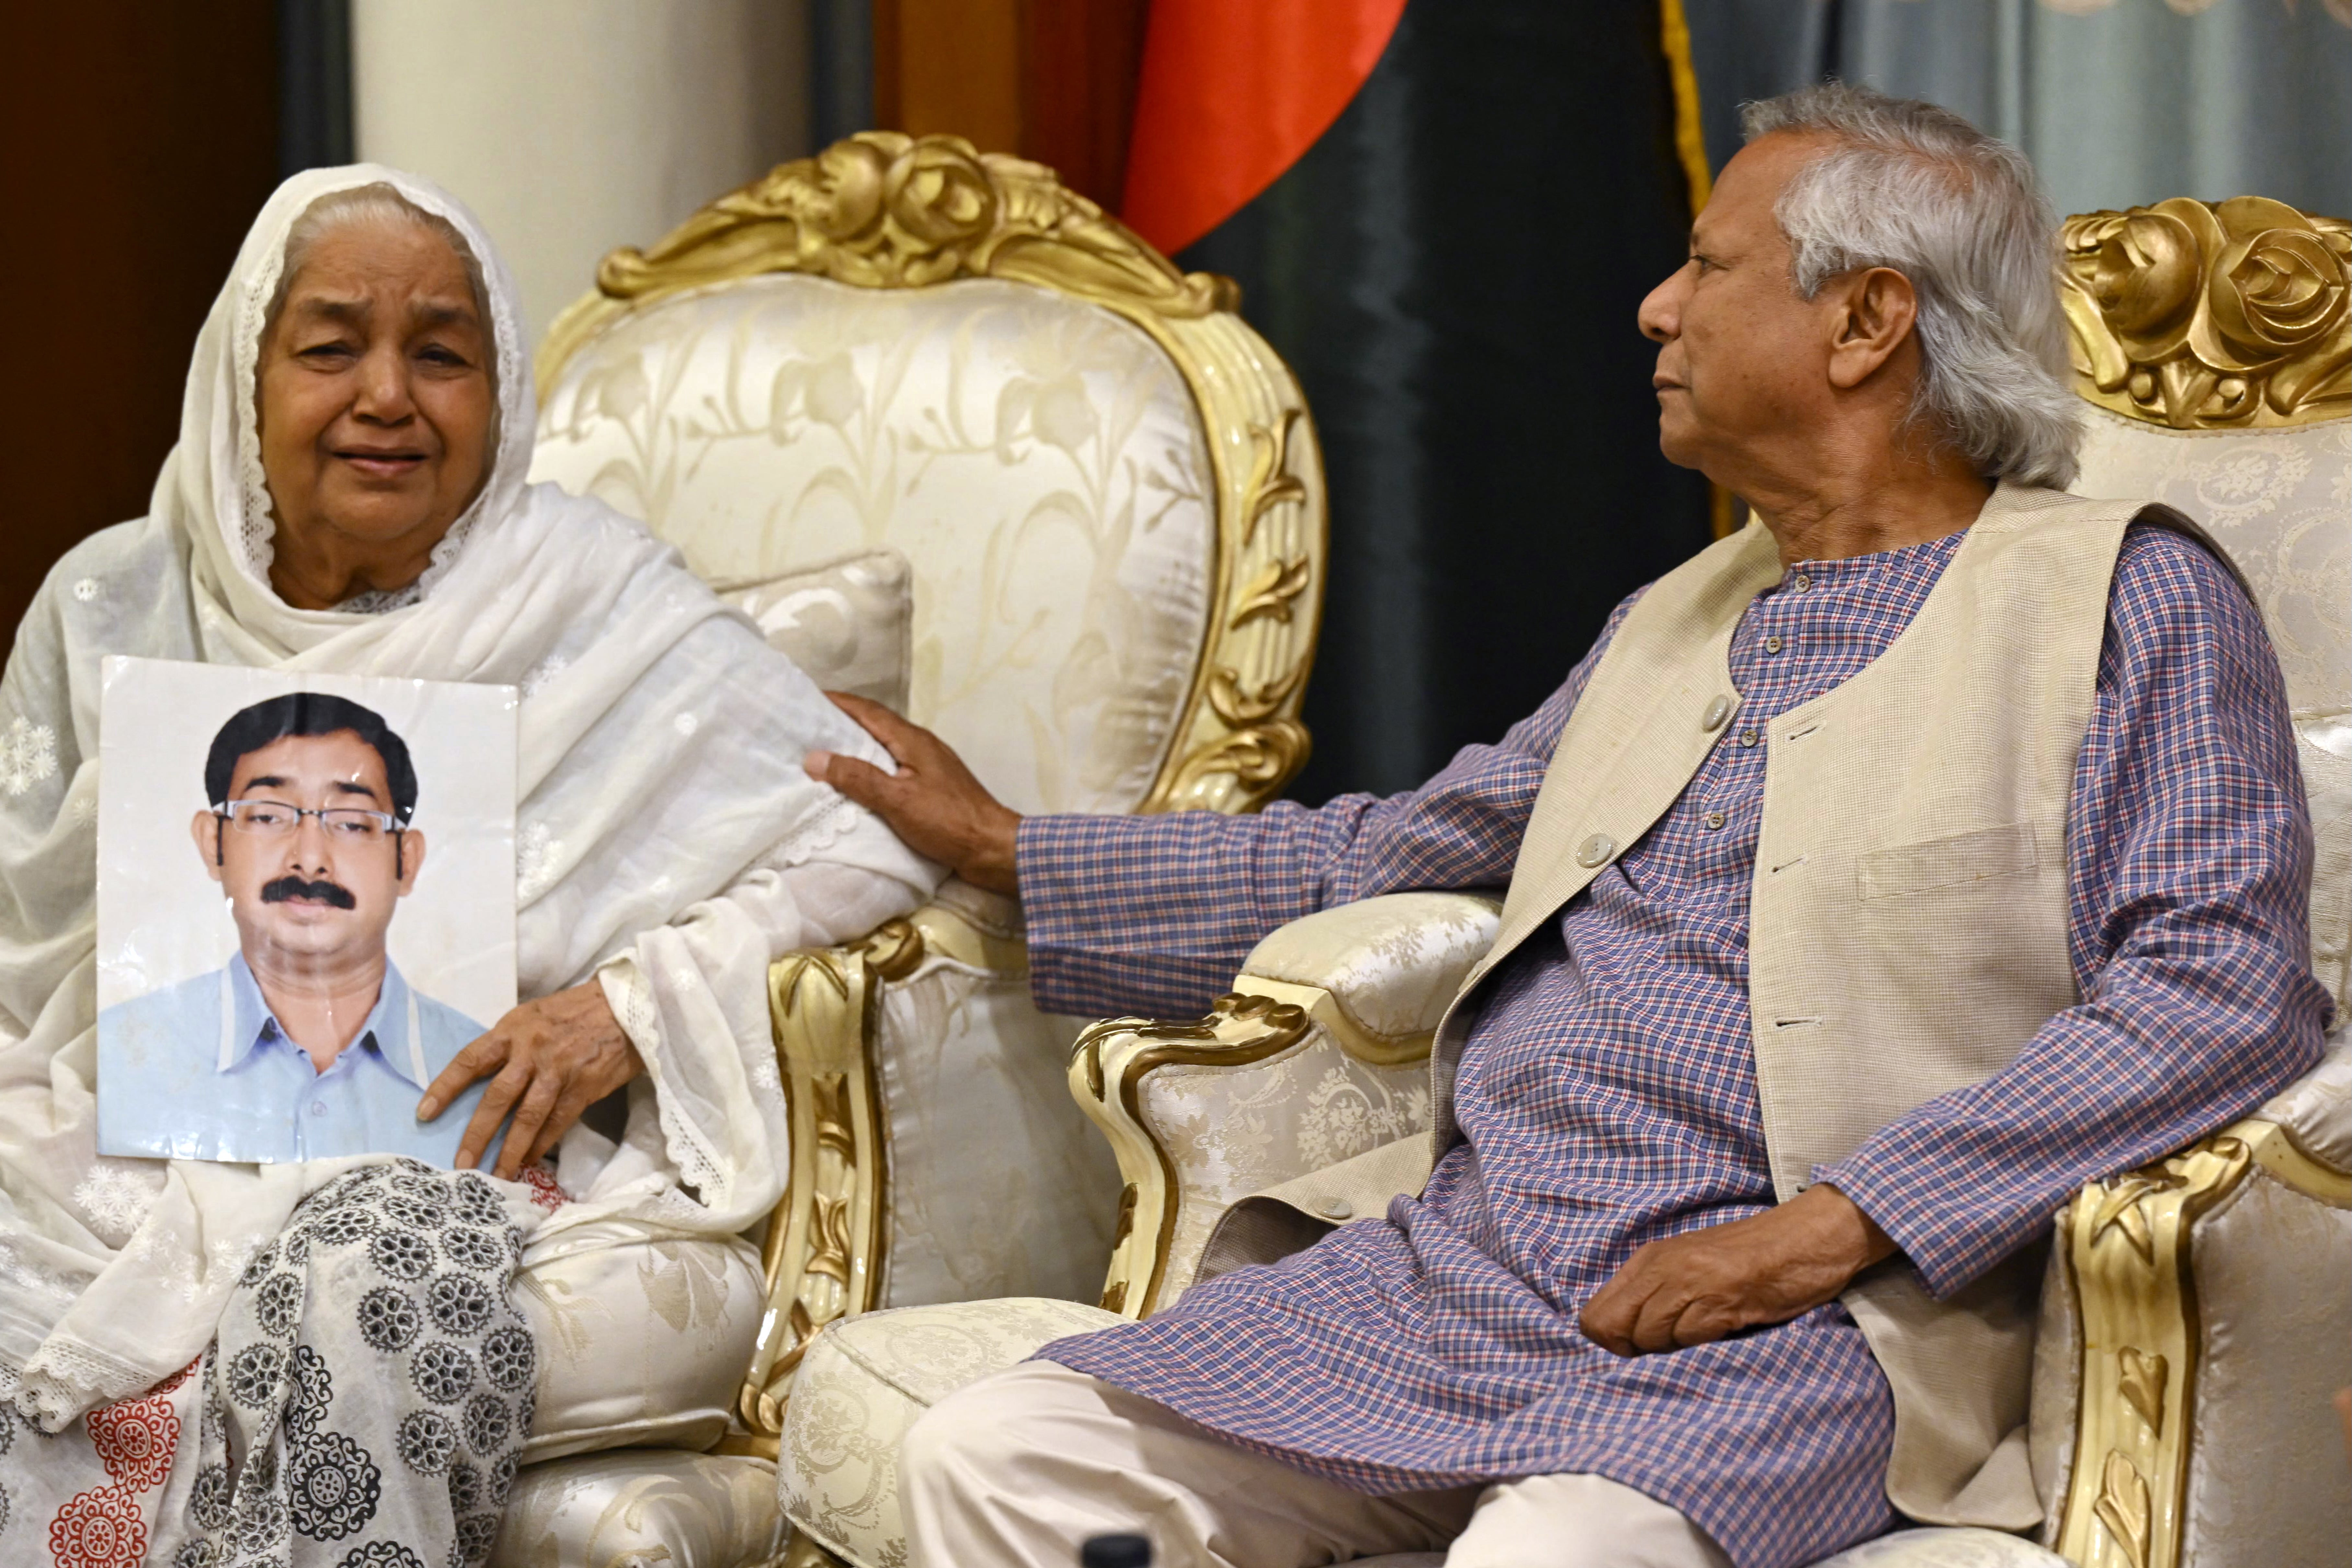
{"x": 669, "y": 844}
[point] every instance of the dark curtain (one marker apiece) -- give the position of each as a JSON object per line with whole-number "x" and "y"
{"x": 1452, "y": 272}
{"x": 143, "y": 138}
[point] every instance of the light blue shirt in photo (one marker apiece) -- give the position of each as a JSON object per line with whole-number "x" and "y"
{"x": 202, "y": 1071}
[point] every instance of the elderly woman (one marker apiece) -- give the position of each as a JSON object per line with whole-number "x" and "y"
{"x": 323, "y": 1362}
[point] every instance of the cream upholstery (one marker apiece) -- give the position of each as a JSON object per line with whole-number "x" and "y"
{"x": 2318, "y": 1111}
{"x": 864, "y": 1383}
{"x": 2274, "y": 1269}
{"x": 2278, "y": 501}
{"x": 850, "y": 623}
{"x": 641, "y": 1342}
{"x": 996, "y": 1187}
{"x": 1037, "y": 458}
{"x": 956, "y": 441}
{"x": 1390, "y": 963}
{"x": 640, "y": 1508}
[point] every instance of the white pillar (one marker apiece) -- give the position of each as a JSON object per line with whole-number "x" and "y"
{"x": 574, "y": 126}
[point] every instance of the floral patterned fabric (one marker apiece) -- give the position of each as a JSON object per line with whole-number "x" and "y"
{"x": 639, "y": 1508}
{"x": 866, "y": 1381}
{"x": 364, "y": 1405}
{"x": 1039, "y": 461}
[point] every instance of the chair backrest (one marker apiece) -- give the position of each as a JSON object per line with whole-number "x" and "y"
{"x": 2214, "y": 343}
{"x": 1107, "y": 485}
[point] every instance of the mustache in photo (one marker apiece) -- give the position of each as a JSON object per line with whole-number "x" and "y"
{"x": 326, "y": 892}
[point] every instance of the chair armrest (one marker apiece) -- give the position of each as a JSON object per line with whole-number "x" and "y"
{"x": 825, "y": 1239}
{"x": 1377, "y": 973}
{"x": 2197, "y": 1317}
{"x": 1317, "y": 1056}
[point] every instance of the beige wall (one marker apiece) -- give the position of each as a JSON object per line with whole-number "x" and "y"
{"x": 573, "y": 126}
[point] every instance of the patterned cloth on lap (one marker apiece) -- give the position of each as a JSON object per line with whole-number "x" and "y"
{"x": 1608, "y": 1091}
{"x": 364, "y": 1406}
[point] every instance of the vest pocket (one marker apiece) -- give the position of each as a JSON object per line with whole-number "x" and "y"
{"x": 1976, "y": 856}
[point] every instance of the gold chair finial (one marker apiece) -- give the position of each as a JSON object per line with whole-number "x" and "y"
{"x": 2231, "y": 315}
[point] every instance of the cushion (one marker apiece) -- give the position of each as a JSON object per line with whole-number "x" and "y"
{"x": 1038, "y": 460}
{"x": 865, "y": 1382}
{"x": 999, "y": 1185}
{"x": 642, "y": 1343}
{"x": 849, "y": 622}
{"x": 634, "y": 1506}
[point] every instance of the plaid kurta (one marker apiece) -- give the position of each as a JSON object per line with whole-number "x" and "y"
{"x": 1607, "y": 1091}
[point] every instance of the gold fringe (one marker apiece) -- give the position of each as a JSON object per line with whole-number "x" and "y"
{"x": 1690, "y": 143}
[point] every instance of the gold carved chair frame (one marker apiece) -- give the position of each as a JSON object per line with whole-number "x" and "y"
{"x": 882, "y": 210}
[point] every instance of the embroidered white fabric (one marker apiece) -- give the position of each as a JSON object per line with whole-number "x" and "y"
{"x": 667, "y": 837}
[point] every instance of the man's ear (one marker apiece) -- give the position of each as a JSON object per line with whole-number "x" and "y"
{"x": 206, "y": 828}
{"x": 408, "y": 847}
{"x": 1877, "y": 310}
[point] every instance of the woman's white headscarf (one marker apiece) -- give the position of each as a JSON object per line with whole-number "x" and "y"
{"x": 669, "y": 842}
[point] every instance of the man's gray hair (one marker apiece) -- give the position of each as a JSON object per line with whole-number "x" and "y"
{"x": 1920, "y": 190}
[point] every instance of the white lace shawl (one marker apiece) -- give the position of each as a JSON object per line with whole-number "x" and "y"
{"x": 669, "y": 844}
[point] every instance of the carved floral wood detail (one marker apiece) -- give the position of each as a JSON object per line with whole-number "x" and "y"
{"x": 2231, "y": 315}
{"x": 2128, "y": 1244}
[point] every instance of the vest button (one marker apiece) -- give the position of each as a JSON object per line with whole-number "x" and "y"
{"x": 1337, "y": 1208}
{"x": 1596, "y": 850}
{"x": 1717, "y": 712}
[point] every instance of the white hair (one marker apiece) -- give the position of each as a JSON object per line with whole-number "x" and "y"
{"x": 380, "y": 205}
{"x": 1917, "y": 189}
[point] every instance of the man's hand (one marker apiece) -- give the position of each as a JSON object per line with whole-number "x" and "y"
{"x": 932, "y": 802}
{"x": 1701, "y": 1285}
{"x": 554, "y": 1057}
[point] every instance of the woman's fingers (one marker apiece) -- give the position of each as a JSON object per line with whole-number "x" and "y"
{"x": 576, "y": 1098}
{"x": 490, "y": 1111}
{"x": 530, "y": 1114}
{"x": 485, "y": 1056}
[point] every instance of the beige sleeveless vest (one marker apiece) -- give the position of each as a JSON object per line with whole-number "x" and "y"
{"x": 1908, "y": 925}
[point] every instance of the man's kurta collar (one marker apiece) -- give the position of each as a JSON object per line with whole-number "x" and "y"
{"x": 391, "y": 1026}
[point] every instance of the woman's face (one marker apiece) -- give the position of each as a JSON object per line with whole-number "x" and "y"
{"x": 376, "y": 410}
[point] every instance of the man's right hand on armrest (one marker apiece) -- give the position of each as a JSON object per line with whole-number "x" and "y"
{"x": 932, "y": 802}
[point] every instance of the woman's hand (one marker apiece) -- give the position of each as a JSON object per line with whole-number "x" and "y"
{"x": 554, "y": 1057}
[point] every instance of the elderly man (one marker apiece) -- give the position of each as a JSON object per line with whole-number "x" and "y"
{"x": 1883, "y": 873}
{"x": 309, "y": 1043}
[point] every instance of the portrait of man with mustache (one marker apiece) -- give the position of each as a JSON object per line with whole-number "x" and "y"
{"x": 309, "y": 1043}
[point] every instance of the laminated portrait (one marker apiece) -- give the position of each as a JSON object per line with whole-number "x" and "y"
{"x": 306, "y": 908}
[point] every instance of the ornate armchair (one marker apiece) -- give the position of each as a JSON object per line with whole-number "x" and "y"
{"x": 962, "y": 443}
{"x": 2196, "y": 1315}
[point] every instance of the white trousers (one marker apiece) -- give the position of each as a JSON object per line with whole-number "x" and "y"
{"x": 1022, "y": 1466}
